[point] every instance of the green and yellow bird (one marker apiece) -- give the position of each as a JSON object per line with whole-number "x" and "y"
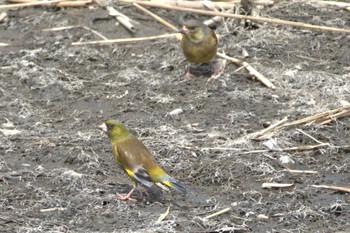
{"x": 199, "y": 43}
{"x": 136, "y": 160}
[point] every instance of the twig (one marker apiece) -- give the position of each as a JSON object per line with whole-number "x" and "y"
{"x": 123, "y": 19}
{"x": 4, "y": 44}
{"x": 295, "y": 148}
{"x": 60, "y": 28}
{"x": 21, "y": 1}
{"x": 63, "y": 3}
{"x": 333, "y": 117}
{"x": 324, "y": 117}
{"x": 250, "y": 69}
{"x": 95, "y": 32}
{"x": 246, "y": 17}
{"x": 336, "y": 188}
{"x": 75, "y": 26}
{"x": 276, "y": 185}
{"x": 191, "y": 4}
{"x": 306, "y": 147}
{"x": 3, "y": 15}
{"x": 158, "y": 18}
{"x": 213, "y": 20}
{"x": 75, "y": 3}
{"x": 162, "y": 21}
{"x": 308, "y": 135}
{"x": 339, "y": 5}
{"x": 342, "y": 147}
{"x": 314, "y": 117}
{"x": 125, "y": 40}
{"x": 217, "y": 213}
{"x": 301, "y": 171}
{"x": 163, "y": 215}
{"x": 202, "y": 4}
{"x": 52, "y": 209}
{"x": 260, "y": 133}
{"x": 243, "y": 151}
{"x": 37, "y": 3}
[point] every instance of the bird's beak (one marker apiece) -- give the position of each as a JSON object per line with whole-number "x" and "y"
{"x": 183, "y": 30}
{"x": 103, "y": 127}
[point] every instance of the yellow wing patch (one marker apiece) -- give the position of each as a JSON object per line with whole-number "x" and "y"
{"x": 129, "y": 172}
{"x": 167, "y": 183}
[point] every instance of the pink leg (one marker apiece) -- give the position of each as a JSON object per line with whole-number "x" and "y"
{"x": 188, "y": 73}
{"x": 126, "y": 197}
{"x": 144, "y": 191}
{"x": 217, "y": 70}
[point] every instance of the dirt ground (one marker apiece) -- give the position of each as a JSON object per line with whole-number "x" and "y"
{"x": 57, "y": 173}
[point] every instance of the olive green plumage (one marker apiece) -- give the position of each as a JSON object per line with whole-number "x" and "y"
{"x": 135, "y": 159}
{"x": 199, "y": 42}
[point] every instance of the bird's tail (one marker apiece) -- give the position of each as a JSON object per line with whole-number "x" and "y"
{"x": 172, "y": 183}
{"x": 159, "y": 176}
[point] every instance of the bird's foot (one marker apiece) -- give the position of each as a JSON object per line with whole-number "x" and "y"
{"x": 126, "y": 197}
{"x": 217, "y": 71}
{"x": 188, "y": 72}
{"x": 188, "y": 75}
{"x": 144, "y": 191}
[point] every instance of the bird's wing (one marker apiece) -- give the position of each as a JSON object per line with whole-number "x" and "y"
{"x": 213, "y": 35}
{"x": 132, "y": 156}
{"x": 139, "y": 164}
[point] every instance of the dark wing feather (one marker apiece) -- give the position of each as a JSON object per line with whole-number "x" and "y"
{"x": 142, "y": 176}
{"x": 132, "y": 154}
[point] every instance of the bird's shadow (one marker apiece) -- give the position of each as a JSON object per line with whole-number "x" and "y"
{"x": 203, "y": 69}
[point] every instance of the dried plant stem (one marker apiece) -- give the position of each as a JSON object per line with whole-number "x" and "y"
{"x": 47, "y": 3}
{"x": 335, "y": 188}
{"x": 333, "y": 117}
{"x": 320, "y": 118}
{"x": 301, "y": 171}
{"x": 243, "y": 151}
{"x": 3, "y": 15}
{"x": 52, "y": 209}
{"x": 250, "y": 69}
{"x": 37, "y": 3}
{"x": 339, "y": 5}
{"x": 190, "y": 4}
{"x": 75, "y": 3}
{"x": 309, "y": 136}
{"x": 122, "y": 19}
{"x": 258, "y": 134}
{"x": 162, "y": 21}
{"x": 126, "y": 40}
{"x": 75, "y": 26}
{"x": 246, "y": 17}
{"x": 21, "y": 1}
{"x": 217, "y": 213}
{"x": 306, "y": 147}
{"x": 315, "y": 117}
{"x": 276, "y": 185}
{"x": 164, "y": 215}
{"x": 95, "y": 32}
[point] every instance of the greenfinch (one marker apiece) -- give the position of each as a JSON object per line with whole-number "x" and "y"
{"x": 199, "y": 43}
{"x": 136, "y": 160}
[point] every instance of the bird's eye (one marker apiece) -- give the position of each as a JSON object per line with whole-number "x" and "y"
{"x": 109, "y": 126}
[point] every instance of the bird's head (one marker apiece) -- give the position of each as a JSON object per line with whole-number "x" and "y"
{"x": 115, "y": 130}
{"x": 193, "y": 30}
